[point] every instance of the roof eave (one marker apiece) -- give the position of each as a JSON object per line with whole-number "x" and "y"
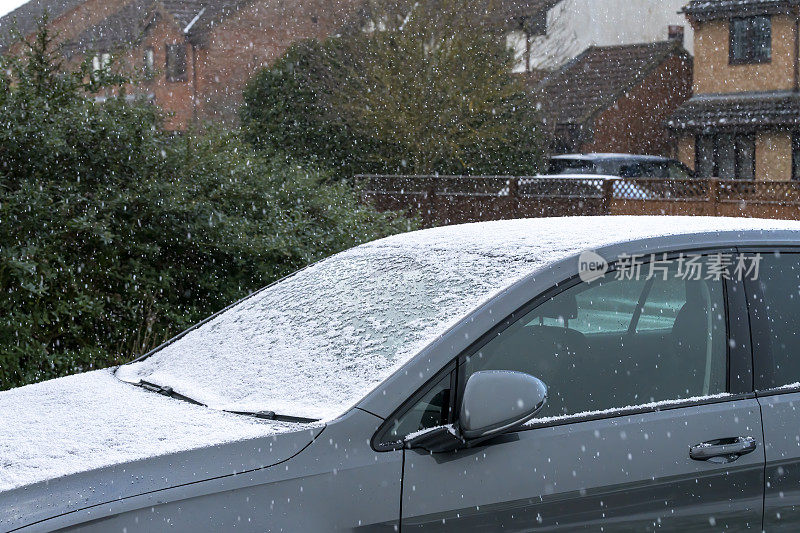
{"x": 714, "y": 12}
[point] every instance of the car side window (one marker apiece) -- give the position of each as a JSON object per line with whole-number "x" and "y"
{"x": 607, "y": 307}
{"x": 662, "y": 304}
{"x": 430, "y": 410}
{"x": 678, "y": 171}
{"x": 614, "y": 343}
{"x": 774, "y": 298}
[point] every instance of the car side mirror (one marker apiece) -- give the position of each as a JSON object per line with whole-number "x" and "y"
{"x": 495, "y": 402}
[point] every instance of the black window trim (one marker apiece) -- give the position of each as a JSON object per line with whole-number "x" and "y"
{"x": 739, "y": 378}
{"x": 758, "y": 327}
{"x": 795, "y": 156}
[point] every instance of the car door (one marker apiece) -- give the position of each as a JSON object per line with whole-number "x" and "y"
{"x": 649, "y": 422}
{"x": 774, "y": 302}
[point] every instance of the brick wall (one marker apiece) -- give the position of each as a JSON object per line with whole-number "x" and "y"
{"x": 175, "y": 98}
{"x": 252, "y": 38}
{"x": 635, "y": 123}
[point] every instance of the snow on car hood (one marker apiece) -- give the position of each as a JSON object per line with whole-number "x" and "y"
{"x": 88, "y": 421}
{"x": 316, "y": 343}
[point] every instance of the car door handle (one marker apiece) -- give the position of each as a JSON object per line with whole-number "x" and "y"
{"x": 722, "y": 450}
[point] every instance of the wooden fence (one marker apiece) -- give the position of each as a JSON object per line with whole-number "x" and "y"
{"x": 457, "y": 199}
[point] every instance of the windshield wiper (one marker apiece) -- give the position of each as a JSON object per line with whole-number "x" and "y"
{"x": 272, "y": 415}
{"x": 166, "y": 390}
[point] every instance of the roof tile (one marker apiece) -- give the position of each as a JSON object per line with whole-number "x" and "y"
{"x": 738, "y": 111}
{"x": 599, "y": 77}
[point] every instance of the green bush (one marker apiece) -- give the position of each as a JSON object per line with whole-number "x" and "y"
{"x": 115, "y": 236}
{"x": 431, "y": 91}
{"x": 290, "y": 108}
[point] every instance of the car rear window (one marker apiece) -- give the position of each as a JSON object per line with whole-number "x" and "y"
{"x": 571, "y": 166}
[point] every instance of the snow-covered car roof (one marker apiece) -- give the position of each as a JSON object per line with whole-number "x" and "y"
{"x": 314, "y": 344}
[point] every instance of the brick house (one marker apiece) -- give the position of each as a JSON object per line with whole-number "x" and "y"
{"x": 617, "y": 98}
{"x": 197, "y": 55}
{"x": 744, "y": 118}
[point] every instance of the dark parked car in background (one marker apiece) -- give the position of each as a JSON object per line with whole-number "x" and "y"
{"x": 622, "y": 165}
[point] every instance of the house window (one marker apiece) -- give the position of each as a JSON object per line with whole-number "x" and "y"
{"x": 725, "y": 155}
{"x": 796, "y": 156}
{"x": 149, "y": 61}
{"x": 751, "y": 40}
{"x": 100, "y": 63}
{"x": 176, "y": 62}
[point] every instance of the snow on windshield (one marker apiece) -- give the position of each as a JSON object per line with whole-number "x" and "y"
{"x": 316, "y": 343}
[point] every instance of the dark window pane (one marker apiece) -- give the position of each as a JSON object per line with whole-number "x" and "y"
{"x": 739, "y": 39}
{"x": 762, "y": 38}
{"x": 751, "y": 39}
{"x": 704, "y": 148}
{"x": 725, "y": 156}
{"x": 595, "y": 352}
{"x": 775, "y": 303}
{"x": 796, "y": 156}
{"x": 745, "y": 156}
{"x": 176, "y": 62}
{"x": 678, "y": 171}
{"x": 571, "y": 166}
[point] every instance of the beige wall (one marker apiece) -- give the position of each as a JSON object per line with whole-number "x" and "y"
{"x": 713, "y": 74}
{"x": 686, "y": 150}
{"x": 773, "y": 156}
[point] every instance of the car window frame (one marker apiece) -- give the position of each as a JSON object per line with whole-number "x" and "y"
{"x": 381, "y": 444}
{"x": 739, "y": 358}
{"x": 760, "y": 328}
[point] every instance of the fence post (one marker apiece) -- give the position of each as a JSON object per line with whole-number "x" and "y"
{"x": 608, "y": 195}
{"x": 713, "y": 195}
{"x": 430, "y": 198}
{"x": 513, "y": 196}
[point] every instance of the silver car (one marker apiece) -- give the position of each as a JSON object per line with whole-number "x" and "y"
{"x": 592, "y": 373}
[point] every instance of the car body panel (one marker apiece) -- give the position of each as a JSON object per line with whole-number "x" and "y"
{"x": 84, "y": 493}
{"x": 333, "y": 484}
{"x": 627, "y": 473}
{"x": 782, "y": 437}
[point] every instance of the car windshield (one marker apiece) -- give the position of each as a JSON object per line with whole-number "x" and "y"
{"x": 317, "y": 342}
